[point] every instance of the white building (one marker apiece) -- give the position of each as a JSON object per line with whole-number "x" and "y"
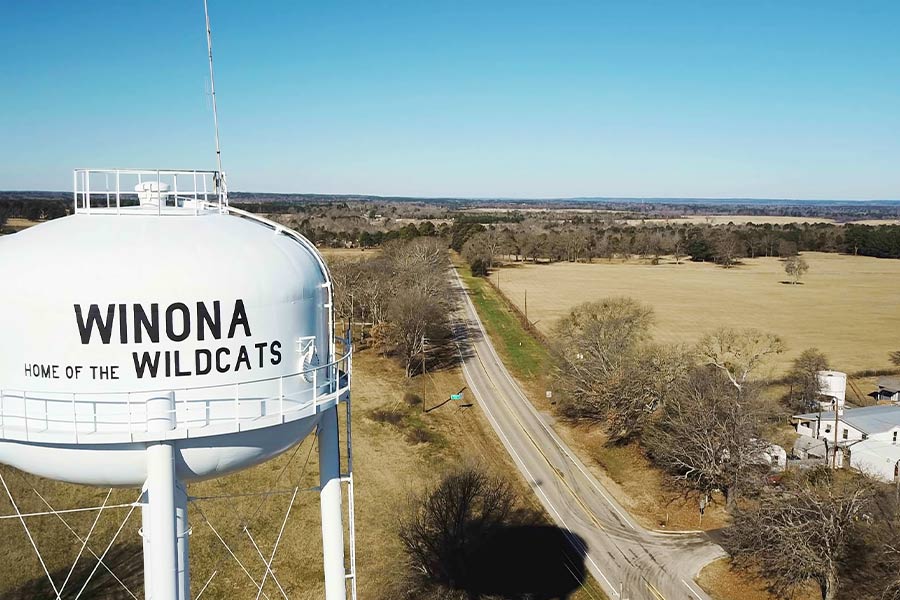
{"x": 876, "y": 458}
{"x": 870, "y": 436}
{"x": 870, "y": 422}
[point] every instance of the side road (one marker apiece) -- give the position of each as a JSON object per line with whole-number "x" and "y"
{"x": 629, "y": 561}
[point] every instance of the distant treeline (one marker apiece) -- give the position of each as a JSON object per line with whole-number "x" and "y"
{"x": 723, "y": 244}
{"x": 348, "y": 221}
{"x": 34, "y": 206}
{"x": 882, "y": 241}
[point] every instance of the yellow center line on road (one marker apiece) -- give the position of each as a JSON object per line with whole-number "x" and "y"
{"x": 656, "y": 593}
{"x": 556, "y": 471}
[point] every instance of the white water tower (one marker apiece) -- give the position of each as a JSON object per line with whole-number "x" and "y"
{"x": 157, "y": 337}
{"x": 833, "y": 385}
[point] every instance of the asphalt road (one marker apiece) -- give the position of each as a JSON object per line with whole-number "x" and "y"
{"x": 629, "y": 562}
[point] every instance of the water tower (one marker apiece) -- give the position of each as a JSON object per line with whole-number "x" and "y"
{"x": 158, "y": 336}
{"x": 832, "y": 385}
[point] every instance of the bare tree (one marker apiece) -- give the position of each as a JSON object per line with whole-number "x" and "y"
{"x": 727, "y": 248}
{"x": 445, "y": 528}
{"x": 895, "y": 358}
{"x": 706, "y": 438}
{"x": 599, "y": 335}
{"x": 606, "y": 371}
{"x": 787, "y": 248}
{"x": 346, "y": 276}
{"x": 679, "y": 251}
{"x": 414, "y": 317}
{"x": 795, "y": 267}
{"x": 803, "y": 532}
{"x": 738, "y": 352}
{"x": 804, "y": 378}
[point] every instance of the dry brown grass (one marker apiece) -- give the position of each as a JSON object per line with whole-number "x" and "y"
{"x": 360, "y": 253}
{"x": 722, "y": 582}
{"x": 17, "y": 223}
{"x": 725, "y": 219}
{"x": 847, "y": 306}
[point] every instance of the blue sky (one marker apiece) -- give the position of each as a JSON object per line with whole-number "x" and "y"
{"x": 485, "y": 99}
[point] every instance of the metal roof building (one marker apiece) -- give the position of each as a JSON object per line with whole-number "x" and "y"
{"x": 868, "y": 421}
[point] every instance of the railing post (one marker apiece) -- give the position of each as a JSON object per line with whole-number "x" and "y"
{"x": 158, "y": 193}
{"x": 86, "y": 184}
{"x": 281, "y": 395}
{"x": 118, "y": 193}
{"x": 196, "y": 199}
{"x": 315, "y": 387}
{"x": 128, "y": 408}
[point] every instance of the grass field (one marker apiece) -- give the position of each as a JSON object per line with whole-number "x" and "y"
{"x": 847, "y": 306}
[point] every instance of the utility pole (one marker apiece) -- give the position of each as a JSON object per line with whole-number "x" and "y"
{"x": 527, "y": 322}
{"x": 424, "y": 373}
{"x": 834, "y": 454}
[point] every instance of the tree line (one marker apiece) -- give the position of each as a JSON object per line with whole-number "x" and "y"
{"x": 722, "y": 244}
{"x": 398, "y": 299}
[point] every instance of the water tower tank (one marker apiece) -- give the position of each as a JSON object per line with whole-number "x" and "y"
{"x": 834, "y": 385}
{"x": 158, "y": 336}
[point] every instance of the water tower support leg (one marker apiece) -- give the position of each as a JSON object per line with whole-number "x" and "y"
{"x": 162, "y": 544}
{"x": 164, "y": 511}
{"x": 332, "y": 506}
{"x": 182, "y": 532}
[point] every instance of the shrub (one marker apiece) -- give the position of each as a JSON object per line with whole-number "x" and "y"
{"x": 381, "y": 415}
{"x": 479, "y": 268}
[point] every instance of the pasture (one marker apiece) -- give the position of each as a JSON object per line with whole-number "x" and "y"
{"x": 847, "y": 306}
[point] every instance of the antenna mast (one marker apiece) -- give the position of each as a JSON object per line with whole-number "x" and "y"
{"x": 212, "y": 87}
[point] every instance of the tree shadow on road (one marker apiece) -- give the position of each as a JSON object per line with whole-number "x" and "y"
{"x": 538, "y": 562}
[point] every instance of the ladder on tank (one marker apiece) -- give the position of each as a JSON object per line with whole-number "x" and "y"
{"x": 347, "y": 478}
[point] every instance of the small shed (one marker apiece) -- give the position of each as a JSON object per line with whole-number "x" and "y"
{"x": 806, "y": 448}
{"x": 888, "y": 388}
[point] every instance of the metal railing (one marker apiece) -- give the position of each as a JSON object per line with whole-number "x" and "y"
{"x": 138, "y": 191}
{"x": 28, "y": 415}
